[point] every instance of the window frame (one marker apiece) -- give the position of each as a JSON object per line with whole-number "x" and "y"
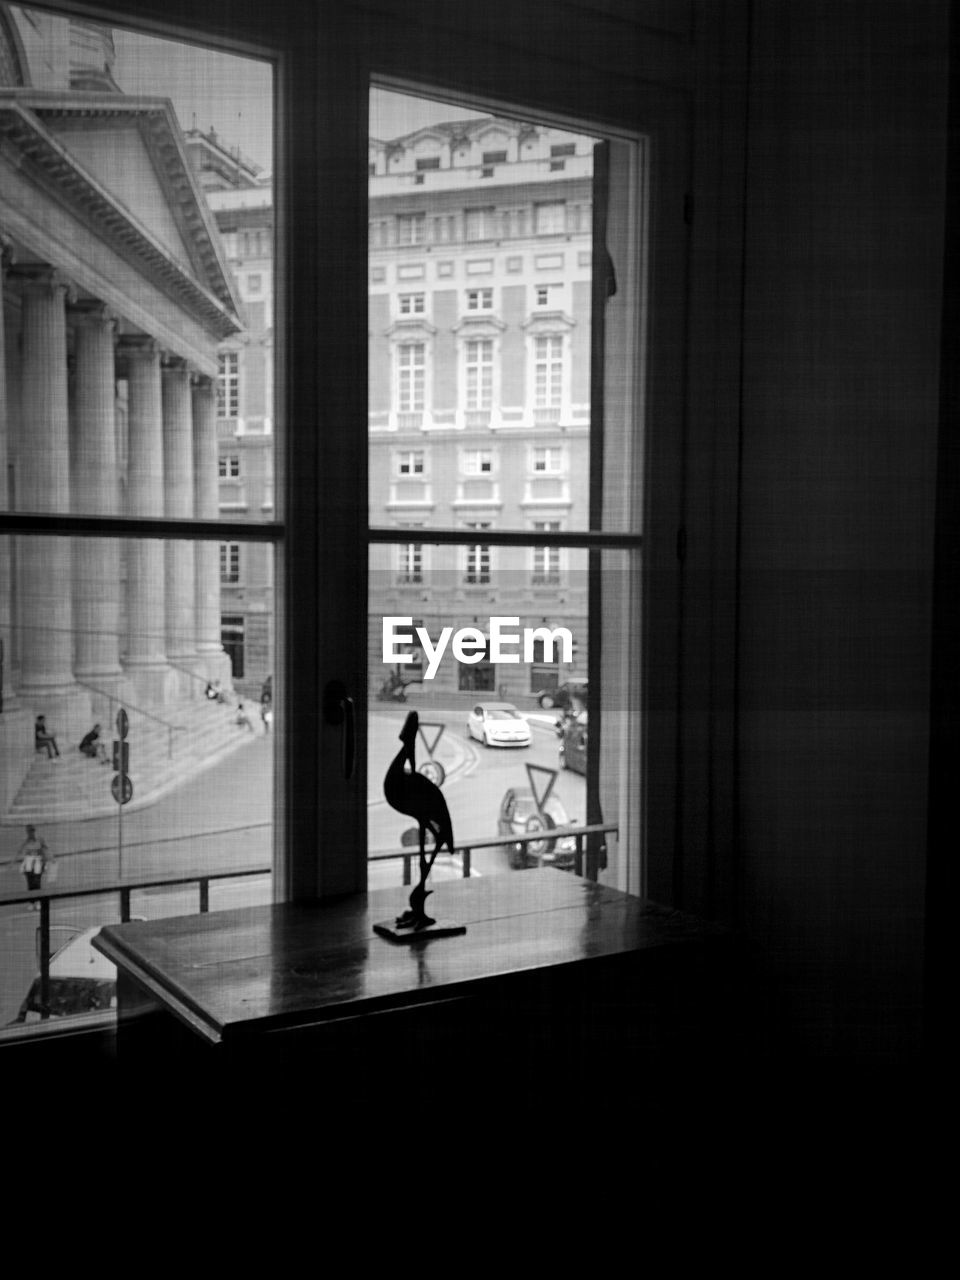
{"x": 327, "y": 57}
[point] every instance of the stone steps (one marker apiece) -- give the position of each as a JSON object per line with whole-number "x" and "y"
{"x": 77, "y": 787}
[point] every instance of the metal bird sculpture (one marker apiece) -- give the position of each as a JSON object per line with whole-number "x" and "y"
{"x": 411, "y": 793}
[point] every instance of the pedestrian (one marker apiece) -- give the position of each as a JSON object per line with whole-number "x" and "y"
{"x": 43, "y": 738}
{"x": 34, "y": 860}
{"x": 91, "y": 745}
{"x": 266, "y": 707}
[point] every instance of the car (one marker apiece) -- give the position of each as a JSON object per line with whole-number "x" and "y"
{"x": 569, "y": 696}
{"x": 573, "y": 742}
{"x": 498, "y": 724}
{"x": 520, "y": 815}
{"x": 81, "y": 980}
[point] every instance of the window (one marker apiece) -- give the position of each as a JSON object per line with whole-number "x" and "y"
{"x": 477, "y": 569}
{"x": 548, "y": 460}
{"x": 428, "y": 162}
{"x": 411, "y": 563}
{"x": 410, "y": 462}
{"x": 546, "y": 560}
{"x": 559, "y": 149}
{"x": 254, "y": 282}
{"x": 230, "y": 562}
{"x": 477, "y": 462}
{"x": 322, "y": 434}
{"x": 229, "y": 466}
{"x": 478, "y": 363}
{"x": 479, "y": 224}
{"x": 411, "y": 228}
{"x": 412, "y": 304}
{"x": 548, "y": 374}
{"x": 479, "y": 299}
{"x": 550, "y": 218}
{"x": 411, "y": 375}
{"x": 228, "y": 385}
{"x": 494, "y": 157}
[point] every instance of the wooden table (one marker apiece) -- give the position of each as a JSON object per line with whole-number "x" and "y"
{"x": 550, "y": 965}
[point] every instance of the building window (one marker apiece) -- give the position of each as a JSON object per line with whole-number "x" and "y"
{"x": 550, "y": 218}
{"x": 411, "y": 228}
{"x": 479, "y": 299}
{"x": 412, "y": 304}
{"x": 548, "y": 461}
{"x": 548, "y": 373}
{"x": 428, "y": 162}
{"x": 479, "y": 224}
{"x": 410, "y": 568}
{"x": 478, "y": 365}
{"x": 559, "y": 149}
{"x": 546, "y": 560}
{"x": 411, "y": 377}
{"x": 230, "y": 562}
{"x": 410, "y": 462}
{"x": 477, "y": 462}
{"x": 477, "y": 570}
{"x": 232, "y": 635}
{"x": 228, "y": 385}
{"x": 494, "y": 157}
{"x": 229, "y": 466}
{"x": 254, "y": 282}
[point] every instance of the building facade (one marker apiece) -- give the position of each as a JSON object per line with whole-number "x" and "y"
{"x": 116, "y": 297}
{"x": 479, "y": 403}
{"x": 241, "y": 199}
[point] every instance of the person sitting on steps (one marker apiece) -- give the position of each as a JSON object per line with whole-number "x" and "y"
{"x": 43, "y": 740}
{"x": 91, "y": 745}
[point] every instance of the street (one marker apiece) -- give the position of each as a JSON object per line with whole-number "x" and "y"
{"x": 223, "y": 819}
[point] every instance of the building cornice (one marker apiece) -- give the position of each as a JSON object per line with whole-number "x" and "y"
{"x": 210, "y": 294}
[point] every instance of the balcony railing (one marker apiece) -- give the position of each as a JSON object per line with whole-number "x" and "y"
{"x": 585, "y": 861}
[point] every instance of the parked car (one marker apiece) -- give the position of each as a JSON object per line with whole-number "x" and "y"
{"x": 521, "y": 816}
{"x": 569, "y": 696}
{"x": 573, "y": 743}
{"x": 498, "y": 724}
{"x": 81, "y": 980}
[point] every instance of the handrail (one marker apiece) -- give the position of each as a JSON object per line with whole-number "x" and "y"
{"x": 126, "y": 888}
{"x": 122, "y": 702}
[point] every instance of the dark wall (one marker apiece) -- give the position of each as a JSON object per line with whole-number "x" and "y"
{"x": 842, "y": 305}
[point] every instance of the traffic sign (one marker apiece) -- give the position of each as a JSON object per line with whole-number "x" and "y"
{"x": 123, "y": 794}
{"x": 121, "y": 757}
{"x": 123, "y": 723}
{"x": 434, "y": 771}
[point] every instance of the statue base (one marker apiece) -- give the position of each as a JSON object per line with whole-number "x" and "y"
{"x": 439, "y": 929}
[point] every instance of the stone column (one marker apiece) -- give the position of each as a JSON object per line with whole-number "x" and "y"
{"x": 146, "y": 625}
{"x": 44, "y": 570}
{"x": 178, "y": 504}
{"x": 96, "y": 491}
{"x": 6, "y": 603}
{"x": 206, "y": 501}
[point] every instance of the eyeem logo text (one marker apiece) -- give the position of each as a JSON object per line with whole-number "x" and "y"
{"x": 469, "y": 643}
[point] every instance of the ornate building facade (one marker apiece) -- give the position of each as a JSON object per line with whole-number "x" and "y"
{"x": 116, "y": 297}
{"x": 479, "y": 315}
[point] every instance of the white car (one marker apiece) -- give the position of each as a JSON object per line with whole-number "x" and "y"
{"x": 498, "y": 724}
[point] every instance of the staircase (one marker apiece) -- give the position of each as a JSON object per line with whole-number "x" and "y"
{"x": 76, "y": 787}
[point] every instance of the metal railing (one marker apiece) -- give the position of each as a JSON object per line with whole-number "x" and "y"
{"x": 587, "y": 860}
{"x": 129, "y": 706}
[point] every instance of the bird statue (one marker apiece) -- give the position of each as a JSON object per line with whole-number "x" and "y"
{"x": 411, "y": 793}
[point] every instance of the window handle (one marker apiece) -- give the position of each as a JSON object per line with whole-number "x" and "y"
{"x": 338, "y": 710}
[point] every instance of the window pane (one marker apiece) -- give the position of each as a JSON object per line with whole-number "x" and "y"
{"x": 138, "y": 287}
{"x": 501, "y": 349}
{"x": 541, "y": 593}
{"x": 90, "y": 626}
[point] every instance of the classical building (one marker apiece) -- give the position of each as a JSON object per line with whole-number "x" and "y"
{"x": 241, "y": 199}
{"x": 480, "y": 294}
{"x": 116, "y": 297}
